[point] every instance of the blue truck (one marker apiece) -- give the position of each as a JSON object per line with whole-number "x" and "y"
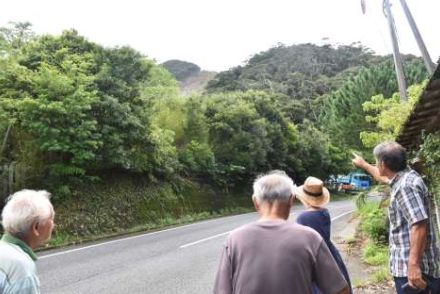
{"x": 353, "y": 182}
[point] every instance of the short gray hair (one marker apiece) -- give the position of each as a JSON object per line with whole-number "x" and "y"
{"x": 274, "y": 186}
{"x": 23, "y": 209}
{"x": 392, "y": 154}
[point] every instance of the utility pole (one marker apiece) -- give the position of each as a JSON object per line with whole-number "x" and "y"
{"x": 396, "y": 53}
{"x": 428, "y": 62}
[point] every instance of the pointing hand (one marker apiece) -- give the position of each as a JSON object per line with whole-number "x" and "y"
{"x": 358, "y": 161}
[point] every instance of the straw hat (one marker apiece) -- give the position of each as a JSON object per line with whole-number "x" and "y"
{"x": 313, "y": 192}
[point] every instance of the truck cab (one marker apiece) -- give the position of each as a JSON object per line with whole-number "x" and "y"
{"x": 354, "y": 182}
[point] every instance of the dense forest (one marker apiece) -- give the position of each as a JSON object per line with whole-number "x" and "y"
{"x": 76, "y": 116}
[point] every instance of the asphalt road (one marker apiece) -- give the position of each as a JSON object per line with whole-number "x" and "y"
{"x": 178, "y": 260}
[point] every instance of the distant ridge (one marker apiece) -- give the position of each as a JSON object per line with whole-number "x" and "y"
{"x": 189, "y": 75}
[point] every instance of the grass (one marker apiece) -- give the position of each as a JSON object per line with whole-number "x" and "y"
{"x": 374, "y": 254}
{"x": 374, "y": 234}
{"x": 367, "y": 208}
{"x": 351, "y": 240}
{"x": 60, "y": 239}
{"x": 64, "y": 239}
{"x": 358, "y": 283}
{"x": 374, "y": 222}
{"x": 374, "y": 228}
{"x": 381, "y": 275}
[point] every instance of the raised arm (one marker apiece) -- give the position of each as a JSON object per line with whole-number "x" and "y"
{"x": 359, "y": 162}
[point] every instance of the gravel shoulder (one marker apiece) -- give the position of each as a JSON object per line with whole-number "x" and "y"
{"x": 350, "y": 244}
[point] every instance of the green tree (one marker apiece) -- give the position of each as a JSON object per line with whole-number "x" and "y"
{"x": 81, "y": 108}
{"x": 54, "y": 116}
{"x": 301, "y": 72}
{"x": 15, "y": 36}
{"x": 196, "y": 153}
{"x": 389, "y": 115}
{"x": 249, "y": 134}
{"x": 342, "y": 115}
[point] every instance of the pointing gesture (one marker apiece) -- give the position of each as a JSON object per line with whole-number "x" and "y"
{"x": 359, "y": 162}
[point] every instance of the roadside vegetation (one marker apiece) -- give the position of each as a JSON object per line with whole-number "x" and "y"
{"x": 63, "y": 239}
{"x": 108, "y": 133}
{"x": 430, "y": 156}
{"x": 372, "y": 237}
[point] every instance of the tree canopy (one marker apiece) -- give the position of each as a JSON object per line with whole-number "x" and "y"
{"x": 71, "y": 109}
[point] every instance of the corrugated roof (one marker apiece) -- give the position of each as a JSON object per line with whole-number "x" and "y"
{"x": 425, "y": 116}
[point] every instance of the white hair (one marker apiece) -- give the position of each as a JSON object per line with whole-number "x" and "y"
{"x": 23, "y": 209}
{"x": 274, "y": 186}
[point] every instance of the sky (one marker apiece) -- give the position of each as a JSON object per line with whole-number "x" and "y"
{"x": 220, "y": 34}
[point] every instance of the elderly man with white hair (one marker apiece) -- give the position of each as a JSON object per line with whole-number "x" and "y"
{"x": 273, "y": 255}
{"x": 28, "y": 221}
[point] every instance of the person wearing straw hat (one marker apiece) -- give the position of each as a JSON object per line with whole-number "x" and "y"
{"x": 314, "y": 197}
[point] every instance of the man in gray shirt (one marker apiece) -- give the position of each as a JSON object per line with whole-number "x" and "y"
{"x": 273, "y": 255}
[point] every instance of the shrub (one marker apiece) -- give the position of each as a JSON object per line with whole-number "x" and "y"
{"x": 374, "y": 222}
{"x": 375, "y": 254}
{"x": 381, "y": 275}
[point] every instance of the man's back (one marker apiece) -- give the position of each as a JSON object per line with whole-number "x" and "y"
{"x": 276, "y": 257}
{"x": 17, "y": 271}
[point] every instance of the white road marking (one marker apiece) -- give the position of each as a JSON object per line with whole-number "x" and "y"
{"x": 341, "y": 215}
{"x": 130, "y": 238}
{"x": 203, "y": 240}
{"x": 329, "y": 206}
{"x": 222, "y": 234}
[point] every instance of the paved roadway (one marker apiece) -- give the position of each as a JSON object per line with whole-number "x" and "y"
{"x": 180, "y": 260}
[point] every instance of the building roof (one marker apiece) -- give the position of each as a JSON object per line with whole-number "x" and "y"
{"x": 425, "y": 117}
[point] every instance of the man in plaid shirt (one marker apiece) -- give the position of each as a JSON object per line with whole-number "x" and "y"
{"x": 414, "y": 257}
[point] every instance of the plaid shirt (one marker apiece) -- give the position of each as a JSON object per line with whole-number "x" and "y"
{"x": 409, "y": 204}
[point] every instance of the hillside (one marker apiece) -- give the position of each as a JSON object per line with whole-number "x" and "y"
{"x": 181, "y": 70}
{"x": 196, "y": 83}
{"x": 303, "y": 73}
{"x": 189, "y": 75}
{"x": 297, "y": 70}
